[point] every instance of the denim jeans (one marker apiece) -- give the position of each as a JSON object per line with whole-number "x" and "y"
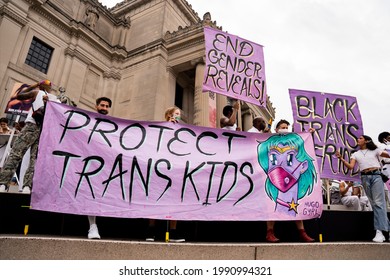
{"x": 374, "y": 188}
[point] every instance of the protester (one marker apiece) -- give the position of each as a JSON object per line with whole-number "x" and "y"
{"x": 103, "y": 104}
{"x": 259, "y": 125}
{"x": 384, "y": 139}
{"x": 19, "y": 126}
{"x": 29, "y": 136}
{"x": 282, "y": 127}
{"x": 352, "y": 197}
{"x": 228, "y": 121}
{"x": 172, "y": 114}
{"x": 367, "y": 159}
{"x": 4, "y": 129}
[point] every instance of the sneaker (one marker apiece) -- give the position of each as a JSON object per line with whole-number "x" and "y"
{"x": 175, "y": 237}
{"x": 93, "y": 232}
{"x": 26, "y": 190}
{"x": 3, "y": 188}
{"x": 150, "y": 234}
{"x": 270, "y": 237}
{"x": 379, "y": 238}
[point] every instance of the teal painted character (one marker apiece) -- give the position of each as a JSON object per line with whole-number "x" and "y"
{"x": 291, "y": 174}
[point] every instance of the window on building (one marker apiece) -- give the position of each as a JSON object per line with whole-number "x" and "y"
{"x": 39, "y": 55}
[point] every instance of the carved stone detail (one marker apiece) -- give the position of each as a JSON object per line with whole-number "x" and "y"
{"x": 5, "y": 11}
{"x": 91, "y": 17}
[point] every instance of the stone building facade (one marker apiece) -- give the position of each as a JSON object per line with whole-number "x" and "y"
{"x": 146, "y": 55}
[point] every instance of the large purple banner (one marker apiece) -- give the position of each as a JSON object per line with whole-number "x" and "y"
{"x": 234, "y": 67}
{"x": 336, "y": 119}
{"x": 92, "y": 164}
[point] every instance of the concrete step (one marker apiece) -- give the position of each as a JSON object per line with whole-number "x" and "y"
{"x": 19, "y": 247}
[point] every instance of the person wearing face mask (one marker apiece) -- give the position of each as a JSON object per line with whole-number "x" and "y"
{"x": 282, "y": 127}
{"x": 172, "y": 114}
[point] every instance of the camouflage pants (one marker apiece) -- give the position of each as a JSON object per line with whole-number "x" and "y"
{"x": 28, "y": 138}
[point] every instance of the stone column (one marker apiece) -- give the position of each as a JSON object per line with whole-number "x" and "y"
{"x": 247, "y": 120}
{"x": 221, "y": 102}
{"x": 201, "y": 99}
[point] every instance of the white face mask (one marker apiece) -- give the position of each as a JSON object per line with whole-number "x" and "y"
{"x": 283, "y": 130}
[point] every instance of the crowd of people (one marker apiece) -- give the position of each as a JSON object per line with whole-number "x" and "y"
{"x": 373, "y": 162}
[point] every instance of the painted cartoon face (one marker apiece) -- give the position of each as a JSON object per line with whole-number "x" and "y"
{"x": 284, "y": 168}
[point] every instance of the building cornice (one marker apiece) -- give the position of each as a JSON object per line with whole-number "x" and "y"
{"x": 76, "y": 53}
{"x": 182, "y": 32}
{"x": 127, "y": 6}
{"x": 6, "y": 11}
{"x": 111, "y": 74}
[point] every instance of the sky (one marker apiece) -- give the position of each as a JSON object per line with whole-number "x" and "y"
{"x": 331, "y": 46}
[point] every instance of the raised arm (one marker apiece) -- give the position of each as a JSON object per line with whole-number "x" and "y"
{"x": 349, "y": 165}
{"x": 28, "y": 92}
{"x": 343, "y": 187}
{"x": 385, "y": 154}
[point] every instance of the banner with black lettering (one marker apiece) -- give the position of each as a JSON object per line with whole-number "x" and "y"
{"x": 234, "y": 67}
{"x": 93, "y": 164}
{"x": 337, "y": 123}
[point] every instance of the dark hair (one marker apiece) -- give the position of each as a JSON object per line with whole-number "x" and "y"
{"x": 21, "y": 87}
{"x": 370, "y": 144}
{"x": 382, "y": 136}
{"x": 4, "y": 120}
{"x": 282, "y": 122}
{"x": 100, "y": 99}
{"x": 259, "y": 121}
{"x": 227, "y": 110}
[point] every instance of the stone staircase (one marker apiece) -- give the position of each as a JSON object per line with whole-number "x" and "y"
{"x": 19, "y": 247}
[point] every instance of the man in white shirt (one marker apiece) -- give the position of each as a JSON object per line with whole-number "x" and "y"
{"x": 259, "y": 125}
{"x": 28, "y": 137}
{"x": 228, "y": 121}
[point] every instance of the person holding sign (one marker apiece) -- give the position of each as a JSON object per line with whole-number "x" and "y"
{"x": 228, "y": 121}
{"x": 172, "y": 114}
{"x": 29, "y": 136}
{"x": 259, "y": 125}
{"x": 367, "y": 158}
{"x": 282, "y": 127}
{"x": 103, "y": 104}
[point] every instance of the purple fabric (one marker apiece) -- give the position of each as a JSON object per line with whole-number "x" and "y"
{"x": 91, "y": 164}
{"x": 338, "y": 125}
{"x": 234, "y": 67}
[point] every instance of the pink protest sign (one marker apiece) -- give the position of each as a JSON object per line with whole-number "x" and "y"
{"x": 90, "y": 164}
{"x": 234, "y": 67}
{"x": 337, "y": 123}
